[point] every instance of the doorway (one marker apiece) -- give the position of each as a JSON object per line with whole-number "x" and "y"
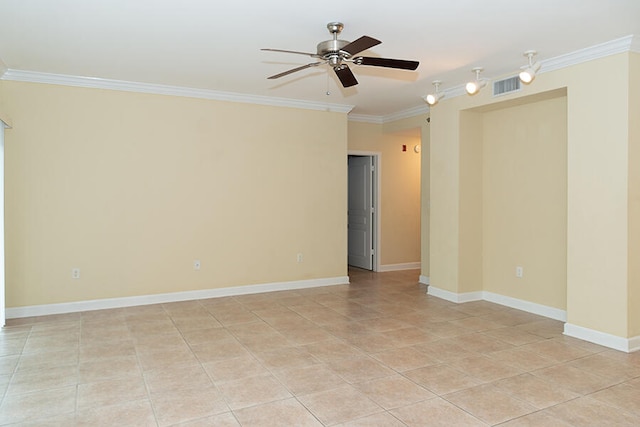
{"x": 363, "y": 211}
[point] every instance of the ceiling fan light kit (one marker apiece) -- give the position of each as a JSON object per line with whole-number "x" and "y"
{"x": 337, "y": 53}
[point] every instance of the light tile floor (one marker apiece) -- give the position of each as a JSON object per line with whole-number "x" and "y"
{"x": 377, "y": 352}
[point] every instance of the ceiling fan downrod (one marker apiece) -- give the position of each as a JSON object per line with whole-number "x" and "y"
{"x": 330, "y": 50}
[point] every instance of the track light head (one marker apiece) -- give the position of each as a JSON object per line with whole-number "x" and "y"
{"x": 474, "y": 87}
{"x": 528, "y": 74}
{"x": 433, "y": 98}
{"x": 529, "y": 71}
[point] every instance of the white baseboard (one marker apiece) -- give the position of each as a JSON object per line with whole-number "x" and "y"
{"x": 530, "y": 307}
{"x": 454, "y": 297}
{"x": 615, "y": 342}
{"x": 627, "y": 345}
{"x": 424, "y": 279}
{"x": 101, "y": 304}
{"x": 399, "y": 267}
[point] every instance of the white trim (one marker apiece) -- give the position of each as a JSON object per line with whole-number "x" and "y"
{"x": 2, "y": 233}
{"x": 635, "y": 44}
{"x": 602, "y": 338}
{"x": 73, "y": 307}
{"x": 404, "y": 114}
{"x": 591, "y": 53}
{"x": 528, "y": 306}
{"x": 455, "y": 91}
{"x": 365, "y": 118}
{"x": 400, "y": 267}
{"x": 99, "y": 83}
{"x": 423, "y": 279}
{"x": 452, "y": 296}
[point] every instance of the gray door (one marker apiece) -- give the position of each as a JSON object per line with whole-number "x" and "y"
{"x": 360, "y": 214}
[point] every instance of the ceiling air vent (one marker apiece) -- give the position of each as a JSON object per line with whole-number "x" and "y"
{"x": 502, "y": 87}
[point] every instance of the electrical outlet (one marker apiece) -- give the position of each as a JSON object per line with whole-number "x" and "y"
{"x": 196, "y": 264}
{"x": 75, "y": 273}
{"x": 300, "y": 258}
{"x": 519, "y": 272}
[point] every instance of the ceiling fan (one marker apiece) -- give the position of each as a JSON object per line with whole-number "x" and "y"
{"x": 337, "y": 53}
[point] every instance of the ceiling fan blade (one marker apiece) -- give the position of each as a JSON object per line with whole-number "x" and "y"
{"x": 313, "y": 55}
{"x": 363, "y": 43}
{"x": 345, "y": 75}
{"x": 387, "y": 62}
{"x": 277, "y": 76}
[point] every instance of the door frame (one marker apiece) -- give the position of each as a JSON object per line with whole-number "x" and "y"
{"x": 3, "y": 125}
{"x": 376, "y": 158}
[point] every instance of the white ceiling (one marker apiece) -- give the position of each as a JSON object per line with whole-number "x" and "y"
{"x": 215, "y": 45}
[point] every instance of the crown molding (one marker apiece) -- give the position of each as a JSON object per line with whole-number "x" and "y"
{"x": 366, "y": 118}
{"x": 630, "y": 43}
{"x": 157, "y": 89}
{"x": 454, "y": 91}
{"x": 404, "y": 114}
{"x": 635, "y": 44}
{"x": 612, "y": 47}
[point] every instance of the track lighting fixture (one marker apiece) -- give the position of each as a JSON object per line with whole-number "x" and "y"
{"x": 527, "y": 75}
{"x": 529, "y": 71}
{"x": 433, "y": 98}
{"x": 475, "y": 86}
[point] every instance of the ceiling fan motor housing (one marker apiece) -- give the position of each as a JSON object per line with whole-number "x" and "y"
{"x": 330, "y": 50}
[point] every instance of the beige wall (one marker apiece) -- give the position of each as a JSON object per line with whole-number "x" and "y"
{"x": 634, "y": 195}
{"x": 425, "y": 199}
{"x": 444, "y": 197}
{"x": 470, "y": 202}
{"x": 524, "y": 191}
{"x": 131, "y": 188}
{"x": 512, "y": 200}
{"x": 419, "y": 125}
{"x": 601, "y": 292}
{"x": 400, "y": 187}
{"x": 597, "y": 231}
